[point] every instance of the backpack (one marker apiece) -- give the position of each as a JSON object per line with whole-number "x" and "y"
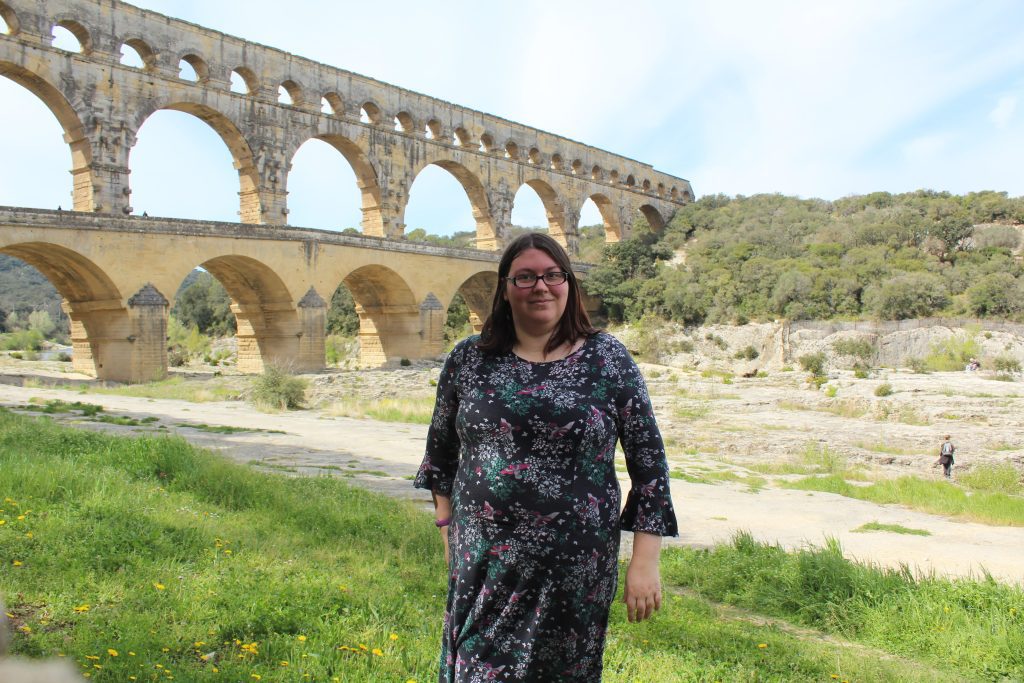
{"x": 947, "y": 449}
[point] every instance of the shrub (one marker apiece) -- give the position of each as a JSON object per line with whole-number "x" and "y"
{"x": 914, "y": 295}
{"x": 23, "y": 340}
{"x": 831, "y": 390}
{"x": 860, "y": 370}
{"x": 813, "y": 363}
{"x": 917, "y": 364}
{"x": 952, "y": 353}
{"x": 276, "y": 389}
{"x": 717, "y": 341}
{"x": 649, "y": 337}
{"x": 747, "y": 353}
{"x": 1006, "y": 364}
{"x": 64, "y": 357}
{"x": 858, "y": 348}
{"x": 682, "y": 346}
{"x": 884, "y": 389}
{"x": 405, "y": 362}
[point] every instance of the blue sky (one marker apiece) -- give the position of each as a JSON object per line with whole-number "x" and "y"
{"x": 815, "y": 99}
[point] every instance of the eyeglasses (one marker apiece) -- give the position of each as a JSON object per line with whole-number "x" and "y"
{"x": 528, "y": 280}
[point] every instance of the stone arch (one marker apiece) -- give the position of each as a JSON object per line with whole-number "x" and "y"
{"x": 77, "y": 29}
{"x": 145, "y": 52}
{"x": 91, "y": 300}
{"x": 556, "y": 162}
{"x": 198, "y": 64}
{"x": 264, "y": 310}
{"x": 295, "y": 92}
{"x": 246, "y": 161}
{"x": 405, "y": 123}
{"x": 610, "y": 216}
{"x": 512, "y": 150}
{"x": 433, "y": 129}
{"x": 74, "y": 133}
{"x": 534, "y": 156}
{"x": 389, "y": 315}
{"x": 372, "y": 112}
{"x": 596, "y": 173}
{"x": 475, "y": 191}
{"x": 630, "y": 180}
{"x": 11, "y": 19}
{"x": 553, "y": 207}
{"x": 577, "y": 166}
{"x": 654, "y": 217}
{"x": 336, "y": 104}
{"x": 462, "y": 137}
{"x": 478, "y": 293}
{"x": 250, "y": 80}
{"x": 646, "y": 185}
{"x": 366, "y": 178}
{"x": 487, "y": 143}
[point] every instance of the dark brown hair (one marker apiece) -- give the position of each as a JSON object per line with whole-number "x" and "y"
{"x": 499, "y": 331}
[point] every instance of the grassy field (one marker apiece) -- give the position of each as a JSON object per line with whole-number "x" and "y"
{"x": 148, "y": 560}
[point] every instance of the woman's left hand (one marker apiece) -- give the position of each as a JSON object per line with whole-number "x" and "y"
{"x": 642, "y": 594}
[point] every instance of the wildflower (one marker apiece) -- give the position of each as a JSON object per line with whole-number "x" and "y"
{"x": 762, "y": 645}
{"x": 393, "y": 636}
{"x": 198, "y": 643}
{"x": 82, "y": 608}
{"x": 159, "y": 586}
{"x": 97, "y": 666}
{"x": 283, "y": 662}
{"x": 130, "y": 653}
{"x": 3, "y": 521}
{"x": 216, "y": 670}
{"x": 256, "y": 676}
{"x": 377, "y": 651}
{"x": 131, "y": 678}
{"x": 16, "y": 563}
{"x": 28, "y": 534}
{"x": 165, "y": 649}
{"x": 21, "y": 518}
{"x": 833, "y": 676}
{"x": 302, "y": 639}
{"x": 363, "y": 647}
{"x": 112, "y": 652}
{"x": 92, "y": 657}
{"x": 343, "y": 589}
{"x": 26, "y": 629}
{"x": 9, "y": 615}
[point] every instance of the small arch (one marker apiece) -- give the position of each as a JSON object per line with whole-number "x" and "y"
{"x": 577, "y": 166}
{"x": 433, "y": 130}
{"x": 630, "y": 181}
{"x": 461, "y": 138}
{"x": 9, "y": 24}
{"x": 379, "y": 294}
{"x": 596, "y": 173}
{"x": 687, "y": 196}
{"x": 653, "y": 216}
{"x": 534, "y": 156}
{"x": 674, "y": 192}
{"x": 192, "y": 67}
{"x": 661, "y": 189}
{"x": 72, "y": 36}
{"x": 332, "y": 105}
{"x": 370, "y": 113}
{"x": 553, "y": 207}
{"x": 136, "y": 53}
{"x": 487, "y": 143}
{"x": 512, "y": 150}
{"x": 244, "y": 81}
{"x": 404, "y": 123}
{"x": 477, "y": 293}
{"x": 646, "y": 185}
{"x": 556, "y": 162}
{"x": 613, "y": 177}
{"x": 290, "y": 93}
{"x": 609, "y": 217}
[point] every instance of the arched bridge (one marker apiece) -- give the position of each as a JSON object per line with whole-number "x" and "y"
{"x": 117, "y": 271}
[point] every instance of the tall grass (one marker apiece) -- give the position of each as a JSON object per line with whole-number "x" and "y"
{"x": 410, "y": 410}
{"x": 975, "y": 628}
{"x": 941, "y": 498}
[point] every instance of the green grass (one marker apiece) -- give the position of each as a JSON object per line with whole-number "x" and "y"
{"x": 177, "y": 387}
{"x": 881, "y": 447}
{"x": 410, "y": 410}
{"x": 165, "y": 554}
{"x": 994, "y": 478}
{"x": 962, "y": 628}
{"x": 891, "y": 528}
{"x": 695, "y": 411}
{"x": 936, "y": 497}
{"x": 90, "y": 412}
{"x": 755, "y": 484}
{"x": 225, "y": 429}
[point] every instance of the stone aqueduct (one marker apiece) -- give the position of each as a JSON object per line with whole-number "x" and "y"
{"x": 117, "y": 271}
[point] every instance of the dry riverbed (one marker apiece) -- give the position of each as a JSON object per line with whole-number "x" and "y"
{"x": 721, "y": 433}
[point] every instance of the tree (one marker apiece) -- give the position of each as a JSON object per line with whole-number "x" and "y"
{"x": 911, "y": 295}
{"x": 205, "y": 303}
{"x": 997, "y": 294}
{"x": 342, "y": 318}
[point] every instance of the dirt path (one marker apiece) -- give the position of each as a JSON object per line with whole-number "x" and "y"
{"x": 384, "y": 456}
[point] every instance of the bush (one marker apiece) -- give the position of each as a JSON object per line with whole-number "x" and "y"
{"x": 23, "y": 340}
{"x": 717, "y": 341}
{"x": 952, "y": 353}
{"x": 813, "y": 363}
{"x": 1006, "y": 364}
{"x": 914, "y": 295}
{"x": 405, "y": 362}
{"x": 650, "y": 334}
{"x": 884, "y": 389}
{"x": 276, "y": 389}
{"x": 860, "y": 370}
{"x": 748, "y": 353}
{"x": 917, "y": 364}
{"x": 858, "y": 348}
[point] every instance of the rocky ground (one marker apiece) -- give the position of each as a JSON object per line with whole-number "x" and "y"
{"x": 728, "y": 439}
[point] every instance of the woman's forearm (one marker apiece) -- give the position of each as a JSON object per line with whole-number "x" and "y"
{"x": 646, "y": 548}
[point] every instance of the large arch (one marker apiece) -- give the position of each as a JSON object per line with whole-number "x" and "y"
{"x": 372, "y": 222}
{"x": 69, "y": 120}
{"x": 609, "y": 215}
{"x": 475, "y": 191}
{"x": 389, "y": 315}
{"x": 249, "y": 164}
{"x": 552, "y": 207}
{"x": 92, "y": 301}
{"x": 478, "y": 293}
{"x": 265, "y": 311}
{"x": 654, "y": 217}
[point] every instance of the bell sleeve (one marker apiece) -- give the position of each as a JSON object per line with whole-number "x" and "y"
{"x": 648, "y": 505}
{"x": 441, "y": 460}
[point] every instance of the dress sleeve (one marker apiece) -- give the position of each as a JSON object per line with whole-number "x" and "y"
{"x": 648, "y": 505}
{"x": 441, "y": 460}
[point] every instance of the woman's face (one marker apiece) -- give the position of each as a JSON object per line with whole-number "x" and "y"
{"x": 536, "y": 309}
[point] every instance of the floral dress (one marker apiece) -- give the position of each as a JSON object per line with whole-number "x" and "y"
{"x": 527, "y": 453}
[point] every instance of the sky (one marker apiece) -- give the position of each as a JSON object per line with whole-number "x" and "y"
{"x": 813, "y": 99}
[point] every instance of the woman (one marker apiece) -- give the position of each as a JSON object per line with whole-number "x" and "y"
{"x": 521, "y": 461}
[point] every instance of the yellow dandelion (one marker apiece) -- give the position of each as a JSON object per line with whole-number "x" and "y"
{"x": 82, "y": 608}
{"x": 92, "y": 657}
{"x": 21, "y": 518}
{"x": 159, "y": 586}
{"x": 159, "y": 666}
{"x": 377, "y": 651}
{"x": 198, "y": 643}
{"x": 834, "y": 676}
{"x": 3, "y": 521}
{"x": 26, "y": 629}
{"x": 216, "y": 670}
{"x": 97, "y": 666}
{"x": 393, "y": 636}
{"x": 301, "y": 639}
{"x": 16, "y": 563}
{"x": 256, "y": 677}
{"x": 87, "y": 675}
{"x": 411, "y": 680}
{"x": 112, "y": 652}
{"x": 762, "y": 645}
{"x": 132, "y": 678}
{"x": 28, "y": 534}
{"x": 363, "y": 647}
{"x": 343, "y": 589}
{"x": 283, "y": 662}
{"x": 130, "y": 653}
{"x": 165, "y": 649}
